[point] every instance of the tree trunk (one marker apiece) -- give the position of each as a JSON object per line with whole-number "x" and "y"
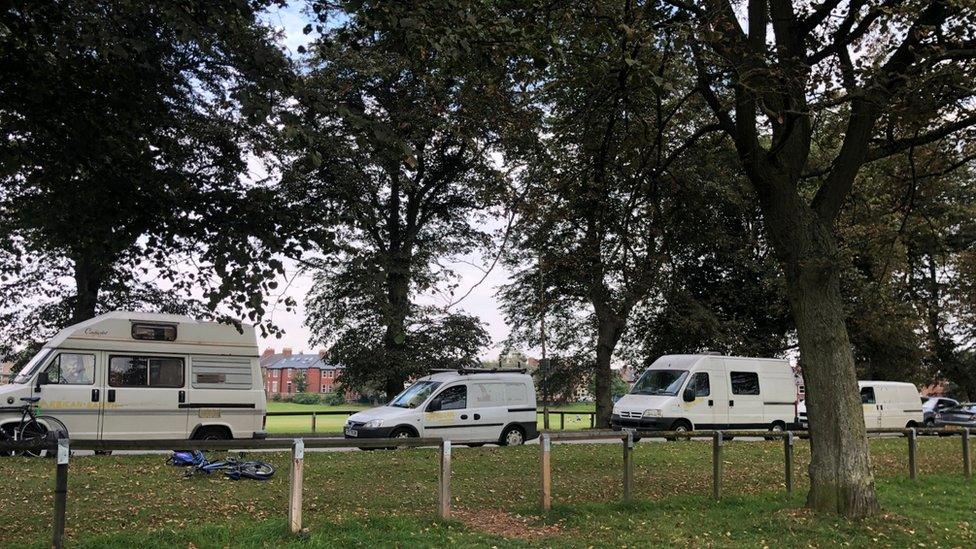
{"x": 609, "y": 328}
{"x": 840, "y": 471}
{"x": 394, "y": 339}
{"x": 88, "y": 282}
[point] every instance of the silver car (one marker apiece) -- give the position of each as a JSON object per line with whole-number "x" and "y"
{"x": 963, "y": 415}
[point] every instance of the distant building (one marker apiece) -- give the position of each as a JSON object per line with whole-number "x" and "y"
{"x": 279, "y": 369}
{"x": 5, "y": 372}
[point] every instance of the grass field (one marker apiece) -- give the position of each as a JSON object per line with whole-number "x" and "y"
{"x": 333, "y": 423}
{"x": 388, "y": 498}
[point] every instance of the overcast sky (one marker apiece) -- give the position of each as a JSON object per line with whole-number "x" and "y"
{"x": 481, "y": 302}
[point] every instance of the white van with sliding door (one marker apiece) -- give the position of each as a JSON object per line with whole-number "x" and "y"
{"x": 469, "y": 406}
{"x": 890, "y": 404}
{"x": 125, "y": 375}
{"x": 685, "y": 392}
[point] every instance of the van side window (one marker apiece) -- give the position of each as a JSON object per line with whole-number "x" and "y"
{"x": 744, "y": 383}
{"x": 72, "y": 369}
{"x": 154, "y": 332}
{"x": 516, "y": 393}
{"x": 487, "y": 394}
{"x": 867, "y": 395}
{"x": 454, "y": 398}
{"x": 208, "y": 372}
{"x": 699, "y": 383}
{"x": 135, "y": 371}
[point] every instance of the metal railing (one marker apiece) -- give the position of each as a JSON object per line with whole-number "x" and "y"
{"x": 298, "y": 445}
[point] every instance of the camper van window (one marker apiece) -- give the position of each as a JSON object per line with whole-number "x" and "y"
{"x": 660, "y": 382}
{"x": 133, "y": 371}
{"x": 28, "y": 370}
{"x": 699, "y": 383}
{"x": 867, "y": 395}
{"x": 154, "y": 332}
{"x": 72, "y": 369}
{"x": 745, "y": 383}
{"x": 454, "y": 398}
{"x": 415, "y": 395}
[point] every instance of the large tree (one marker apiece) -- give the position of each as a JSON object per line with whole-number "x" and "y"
{"x": 594, "y": 221}
{"x": 393, "y": 166}
{"x": 900, "y": 75}
{"x": 126, "y": 129}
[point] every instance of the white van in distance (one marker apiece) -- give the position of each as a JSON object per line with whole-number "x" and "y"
{"x": 686, "y": 392}
{"x": 886, "y": 404}
{"x": 137, "y": 376}
{"x": 471, "y": 406}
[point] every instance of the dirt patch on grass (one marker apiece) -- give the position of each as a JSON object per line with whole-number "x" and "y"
{"x": 508, "y": 525}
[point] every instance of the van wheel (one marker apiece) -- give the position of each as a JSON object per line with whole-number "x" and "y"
{"x": 680, "y": 426}
{"x": 776, "y": 427}
{"x": 212, "y": 433}
{"x": 513, "y": 436}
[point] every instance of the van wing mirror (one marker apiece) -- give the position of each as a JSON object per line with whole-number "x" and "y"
{"x": 688, "y": 395}
{"x": 43, "y": 379}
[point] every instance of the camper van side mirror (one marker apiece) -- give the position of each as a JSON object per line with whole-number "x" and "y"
{"x": 688, "y": 395}
{"x": 434, "y": 406}
{"x": 43, "y": 379}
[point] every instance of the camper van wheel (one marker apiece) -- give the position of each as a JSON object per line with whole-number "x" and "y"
{"x": 513, "y": 436}
{"x": 775, "y": 428}
{"x": 212, "y": 433}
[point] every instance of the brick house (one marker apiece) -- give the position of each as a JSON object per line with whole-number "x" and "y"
{"x": 279, "y": 369}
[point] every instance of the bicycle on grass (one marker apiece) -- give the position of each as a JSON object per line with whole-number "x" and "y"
{"x": 196, "y": 462}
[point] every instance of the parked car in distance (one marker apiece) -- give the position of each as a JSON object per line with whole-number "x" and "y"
{"x": 136, "y": 376}
{"x": 885, "y": 404}
{"x": 685, "y": 392}
{"x": 469, "y": 406}
{"x": 963, "y": 415}
{"x": 931, "y": 406}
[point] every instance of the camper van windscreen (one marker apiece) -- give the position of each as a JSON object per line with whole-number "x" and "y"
{"x": 154, "y": 332}
{"x": 660, "y": 382}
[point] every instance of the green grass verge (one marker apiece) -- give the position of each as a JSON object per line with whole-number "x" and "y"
{"x": 388, "y": 498}
{"x": 333, "y": 423}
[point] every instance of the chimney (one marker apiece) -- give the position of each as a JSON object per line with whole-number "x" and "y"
{"x": 267, "y": 352}
{"x": 286, "y": 351}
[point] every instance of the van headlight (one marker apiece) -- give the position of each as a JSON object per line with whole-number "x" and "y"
{"x": 373, "y": 423}
{"x": 655, "y": 412}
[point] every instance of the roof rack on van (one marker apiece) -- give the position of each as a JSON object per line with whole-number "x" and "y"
{"x": 465, "y": 371}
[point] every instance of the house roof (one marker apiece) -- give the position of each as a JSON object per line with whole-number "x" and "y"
{"x": 299, "y": 361}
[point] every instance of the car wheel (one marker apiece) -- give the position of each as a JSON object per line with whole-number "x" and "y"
{"x": 775, "y": 428}
{"x": 513, "y": 436}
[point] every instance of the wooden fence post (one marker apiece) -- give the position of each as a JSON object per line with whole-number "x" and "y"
{"x": 444, "y": 482}
{"x": 546, "y": 444}
{"x": 313, "y": 421}
{"x": 592, "y": 420}
{"x": 562, "y": 421}
{"x": 60, "y": 492}
{"x": 788, "y": 454}
{"x": 295, "y": 499}
{"x": 967, "y": 463}
{"x": 628, "y": 467}
{"x": 912, "y": 447}
{"x": 717, "y": 465}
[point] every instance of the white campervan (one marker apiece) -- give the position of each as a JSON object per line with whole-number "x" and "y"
{"x": 473, "y": 407}
{"x": 125, "y": 375}
{"x": 685, "y": 392}
{"x": 890, "y": 404}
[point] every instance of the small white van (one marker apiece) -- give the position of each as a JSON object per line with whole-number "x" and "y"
{"x": 890, "y": 404}
{"x": 686, "y": 392}
{"x": 471, "y": 406}
{"x": 132, "y": 376}
{"x": 886, "y": 404}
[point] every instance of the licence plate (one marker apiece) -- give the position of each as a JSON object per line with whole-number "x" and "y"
{"x": 352, "y": 432}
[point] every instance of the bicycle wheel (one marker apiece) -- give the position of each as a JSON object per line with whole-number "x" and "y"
{"x": 254, "y": 470}
{"x": 31, "y": 431}
{"x": 55, "y": 426}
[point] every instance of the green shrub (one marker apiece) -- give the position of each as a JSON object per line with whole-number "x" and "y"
{"x": 306, "y": 398}
{"x": 334, "y": 398}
